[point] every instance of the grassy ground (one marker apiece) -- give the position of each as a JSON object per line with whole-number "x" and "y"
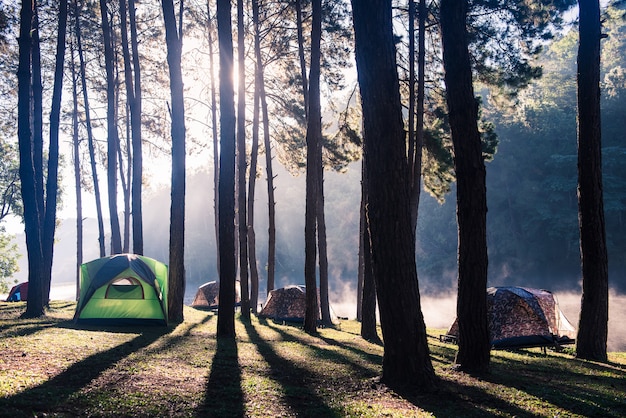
{"x": 50, "y": 367}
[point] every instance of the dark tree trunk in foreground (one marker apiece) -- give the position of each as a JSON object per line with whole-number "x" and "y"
{"x": 34, "y": 305}
{"x": 49, "y": 225}
{"x": 406, "y": 360}
{"x": 241, "y": 165}
{"x": 474, "y": 346}
{"x": 177, "y": 212}
{"x": 227, "y": 260}
{"x": 594, "y": 314}
{"x": 313, "y": 139}
{"x": 112, "y": 136}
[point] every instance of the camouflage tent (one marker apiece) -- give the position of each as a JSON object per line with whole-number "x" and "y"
{"x": 207, "y": 296}
{"x": 522, "y": 317}
{"x": 288, "y": 304}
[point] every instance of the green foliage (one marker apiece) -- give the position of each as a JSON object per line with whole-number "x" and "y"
{"x": 532, "y": 184}
{"x": 10, "y": 194}
{"x": 504, "y": 37}
{"x": 9, "y": 255}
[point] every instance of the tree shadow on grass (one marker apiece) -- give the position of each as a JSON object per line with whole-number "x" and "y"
{"x": 456, "y": 399}
{"x": 54, "y": 395}
{"x": 296, "y": 382}
{"x": 451, "y": 399}
{"x": 583, "y": 388}
{"x": 223, "y": 395}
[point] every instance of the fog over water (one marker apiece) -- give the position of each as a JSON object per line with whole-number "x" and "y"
{"x": 438, "y": 292}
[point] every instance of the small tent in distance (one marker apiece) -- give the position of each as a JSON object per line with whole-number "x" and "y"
{"x": 289, "y": 304}
{"x": 18, "y": 293}
{"x": 123, "y": 289}
{"x": 521, "y": 317}
{"x": 208, "y": 295}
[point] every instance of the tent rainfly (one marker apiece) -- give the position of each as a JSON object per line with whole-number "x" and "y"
{"x": 18, "y": 293}
{"x": 521, "y": 317}
{"x": 123, "y": 289}
{"x": 208, "y": 295}
{"x": 289, "y": 304}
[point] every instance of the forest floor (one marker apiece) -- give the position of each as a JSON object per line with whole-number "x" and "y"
{"x": 50, "y": 367}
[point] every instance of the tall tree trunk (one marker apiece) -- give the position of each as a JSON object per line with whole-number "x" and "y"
{"x": 216, "y": 157}
{"x": 136, "y": 126}
{"x": 313, "y": 164}
{"x": 77, "y": 173}
{"x": 271, "y": 201}
{"x": 406, "y": 360}
{"x": 323, "y": 248}
{"x": 418, "y": 136}
{"x": 125, "y": 179}
{"x": 368, "y": 288}
{"x": 254, "y": 154}
{"x": 177, "y": 211}
{"x": 37, "y": 109}
{"x": 227, "y": 261}
{"x": 49, "y": 224}
{"x": 594, "y": 314}
{"x": 474, "y": 345}
{"x": 305, "y": 82}
{"x": 242, "y": 164}
{"x": 34, "y": 305}
{"x": 112, "y": 135}
{"x": 90, "y": 139}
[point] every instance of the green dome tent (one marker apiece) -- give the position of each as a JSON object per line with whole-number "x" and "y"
{"x": 123, "y": 289}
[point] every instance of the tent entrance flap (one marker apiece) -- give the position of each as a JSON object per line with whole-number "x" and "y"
{"x": 125, "y": 288}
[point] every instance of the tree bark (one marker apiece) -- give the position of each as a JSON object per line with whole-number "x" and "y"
{"x": 177, "y": 211}
{"x": 227, "y": 260}
{"x": 594, "y": 314}
{"x": 313, "y": 139}
{"x": 323, "y": 247}
{"x": 254, "y": 155}
{"x": 216, "y": 158}
{"x": 368, "y": 297}
{"x": 34, "y": 305}
{"x": 301, "y": 57}
{"x": 77, "y": 174}
{"x": 406, "y": 360}
{"x": 242, "y": 165}
{"x": 474, "y": 345}
{"x": 271, "y": 201}
{"x": 418, "y": 138}
{"x": 136, "y": 126}
{"x": 90, "y": 139}
{"x": 112, "y": 136}
{"x": 49, "y": 224}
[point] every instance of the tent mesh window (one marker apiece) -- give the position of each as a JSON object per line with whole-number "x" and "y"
{"x": 125, "y": 288}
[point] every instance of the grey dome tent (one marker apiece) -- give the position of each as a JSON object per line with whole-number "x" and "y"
{"x": 289, "y": 304}
{"x": 208, "y": 295}
{"x": 521, "y": 317}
